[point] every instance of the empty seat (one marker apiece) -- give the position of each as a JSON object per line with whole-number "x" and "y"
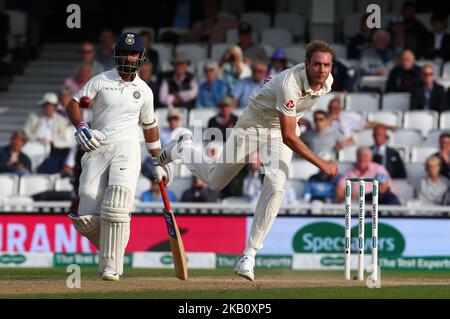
{"x": 200, "y": 117}
{"x": 444, "y": 120}
{"x": 34, "y": 184}
{"x": 415, "y": 171}
{"x": 217, "y": 51}
{"x": 424, "y": 121}
{"x": 373, "y": 81}
{"x": 362, "y": 102}
{"x": 9, "y": 185}
{"x": 348, "y": 154}
{"x": 396, "y": 102}
{"x": 232, "y": 37}
{"x": 357, "y": 117}
{"x": 391, "y": 118}
{"x": 340, "y": 50}
{"x": 446, "y": 70}
{"x": 324, "y": 100}
{"x": 164, "y": 52}
{"x": 258, "y": 20}
{"x": 181, "y": 32}
{"x": 297, "y": 185}
{"x": 351, "y": 22}
{"x": 194, "y": 52}
{"x": 408, "y": 137}
{"x": 302, "y": 169}
{"x": 278, "y": 38}
{"x": 63, "y": 184}
{"x": 179, "y": 185}
{"x": 433, "y": 136}
{"x": 295, "y": 53}
{"x": 404, "y": 189}
{"x": 364, "y": 137}
{"x": 419, "y": 154}
{"x": 37, "y": 152}
{"x": 143, "y": 185}
{"x": 291, "y": 21}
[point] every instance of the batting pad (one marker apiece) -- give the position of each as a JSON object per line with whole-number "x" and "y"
{"x": 88, "y": 226}
{"x": 115, "y": 227}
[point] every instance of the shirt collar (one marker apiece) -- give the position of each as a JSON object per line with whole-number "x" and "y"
{"x": 326, "y": 87}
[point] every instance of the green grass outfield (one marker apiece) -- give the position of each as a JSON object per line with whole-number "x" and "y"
{"x": 221, "y": 283}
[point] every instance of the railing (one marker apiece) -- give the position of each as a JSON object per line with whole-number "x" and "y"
{"x": 236, "y": 209}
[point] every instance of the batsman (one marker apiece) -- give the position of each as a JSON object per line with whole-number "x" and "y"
{"x": 268, "y": 126}
{"x": 122, "y": 105}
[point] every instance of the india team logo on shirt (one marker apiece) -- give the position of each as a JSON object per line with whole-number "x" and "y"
{"x": 136, "y": 95}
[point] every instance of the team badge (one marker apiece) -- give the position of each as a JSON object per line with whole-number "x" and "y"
{"x": 136, "y": 95}
{"x": 290, "y": 104}
{"x": 129, "y": 39}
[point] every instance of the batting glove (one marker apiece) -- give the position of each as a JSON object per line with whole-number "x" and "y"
{"x": 89, "y": 140}
{"x": 161, "y": 172}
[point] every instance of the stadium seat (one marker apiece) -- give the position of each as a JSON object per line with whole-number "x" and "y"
{"x": 278, "y": 38}
{"x": 179, "y": 185}
{"x": 395, "y": 102}
{"x": 433, "y": 136}
{"x": 291, "y": 21}
{"x": 344, "y": 166}
{"x": 181, "y": 32}
{"x": 201, "y": 116}
{"x": 232, "y": 37}
{"x": 194, "y": 52}
{"x": 17, "y": 35}
{"x": 63, "y": 184}
{"x": 364, "y": 137}
{"x": 404, "y": 189}
{"x": 373, "y": 82}
{"x": 139, "y": 29}
{"x": 295, "y": 53}
{"x": 436, "y": 66}
{"x": 324, "y": 100}
{"x": 164, "y": 52}
{"x": 359, "y": 101}
{"x": 356, "y": 116}
{"x": 351, "y": 23}
{"x": 348, "y": 154}
{"x": 302, "y": 169}
{"x": 37, "y": 152}
{"x": 444, "y": 120}
{"x": 9, "y": 185}
{"x": 445, "y": 82}
{"x": 258, "y": 20}
{"x": 217, "y": 51}
{"x": 425, "y": 18}
{"x": 424, "y": 121}
{"x": 415, "y": 171}
{"x": 297, "y": 185}
{"x": 340, "y": 50}
{"x": 143, "y": 185}
{"x": 446, "y": 70}
{"x": 419, "y": 154}
{"x": 161, "y": 117}
{"x": 408, "y": 137}
{"x": 36, "y": 183}
{"x": 238, "y": 111}
{"x": 386, "y": 117}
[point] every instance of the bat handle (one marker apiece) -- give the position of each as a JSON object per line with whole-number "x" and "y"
{"x": 162, "y": 186}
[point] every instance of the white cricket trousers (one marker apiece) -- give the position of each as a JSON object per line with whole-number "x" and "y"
{"x": 246, "y": 138}
{"x": 118, "y": 163}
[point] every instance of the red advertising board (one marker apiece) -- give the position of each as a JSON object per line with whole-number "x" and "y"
{"x": 54, "y": 233}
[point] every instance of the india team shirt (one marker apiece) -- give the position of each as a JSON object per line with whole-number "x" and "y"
{"x": 288, "y": 92}
{"x": 118, "y": 106}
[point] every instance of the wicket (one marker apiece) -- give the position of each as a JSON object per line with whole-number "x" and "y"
{"x": 361, "y": 217}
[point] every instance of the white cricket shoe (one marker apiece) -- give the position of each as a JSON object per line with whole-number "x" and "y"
{"x": 245, "y": 267}
{"x": 110, "y": 274}
{"x": 172, "y": 151}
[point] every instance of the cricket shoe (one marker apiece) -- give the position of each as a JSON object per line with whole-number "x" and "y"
{"x": 245, "y": 267}
{"x": 110, "y": 274}
{"x": 172, "y": 151}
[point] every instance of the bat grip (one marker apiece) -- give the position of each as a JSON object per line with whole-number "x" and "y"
{"x": 162, "y": 186}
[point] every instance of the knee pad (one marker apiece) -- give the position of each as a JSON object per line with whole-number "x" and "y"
{"x": 88, "y": 226}
{"x": 115, "y": 227}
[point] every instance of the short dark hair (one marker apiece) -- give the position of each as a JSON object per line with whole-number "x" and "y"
{"x": 145, "y": 33}
{"x": 444, "y": 135}
{"x": 320, "y": 112}
{"x": 21, "y": 134}
{"x": 318, "y": 46}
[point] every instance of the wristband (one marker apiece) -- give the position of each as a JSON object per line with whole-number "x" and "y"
{"x": 81, "y": 125}
{"x": 153, "y": 145}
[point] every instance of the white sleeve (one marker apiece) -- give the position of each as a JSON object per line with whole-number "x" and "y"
{"x": 147, "y": 116}
{"x": 91, "y": 88}
{"x": 287, "y": 97}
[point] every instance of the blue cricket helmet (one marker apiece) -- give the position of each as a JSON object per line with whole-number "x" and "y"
{"x": 129, "y": 41}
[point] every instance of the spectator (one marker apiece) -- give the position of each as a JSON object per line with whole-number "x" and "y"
{"x": 225, "y": 119}
{"x": 88, "y": 57}
{"x": 213, "y": 27}
{"x": 433, "y": 187}
{"x": 429, "y": 95}
{"x": 253, "y": 180}
{"x": 169, "y": 133}
{"x": 444, "y": 154}
{"x": 385, "y": 155}
{"x": 322, "y": 138}
{"x": 251, "y": 85}
{"x": 83, "y": 74}
{"x": 146, "y": 74}
{"x": 437, "y": 45}
{"x": 154, "y": 194}
{"x": 233, "y": 67}
{"x": 359, "y": 42}
{"x": 65, "y": 94}
{"x": 105, "y": 52}
{"x": 12, "y": 160}
{"x": 278, "y": 63}
{"x": 405, "y": 77}
{"x": 151, "y": 54}
{"x": 199, "y": 193}
{"x": 252, "y": 51}
{"x": 378, "y": 58}
{"x": 344, "y": 76}
{"x": 214, "y": 89}
{"x": 50, "y": 129}
{"x": 400, "y": 39}
{"x": 414, "y": 27}
{"x": 365, "y": 168}
{"x": 179, "y": 87}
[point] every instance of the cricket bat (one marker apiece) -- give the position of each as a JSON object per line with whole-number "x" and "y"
{"x": 176, "y": 242}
